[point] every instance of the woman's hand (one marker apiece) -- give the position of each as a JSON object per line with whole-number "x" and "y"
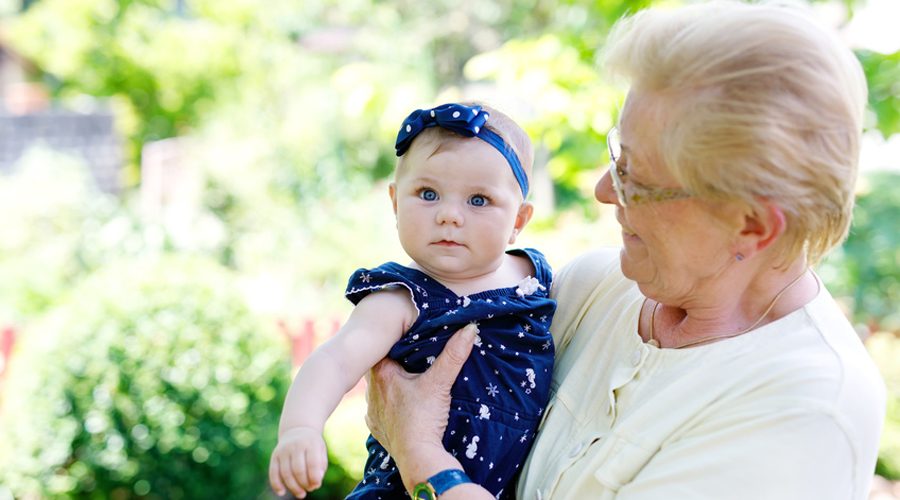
{"x": 408, "y": 413}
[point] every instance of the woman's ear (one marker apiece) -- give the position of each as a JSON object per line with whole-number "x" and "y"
{"x": 761, "y": 228}
{"x": 526, "y": 210}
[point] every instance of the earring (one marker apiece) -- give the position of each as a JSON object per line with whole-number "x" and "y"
{"x": 739, "y": 257}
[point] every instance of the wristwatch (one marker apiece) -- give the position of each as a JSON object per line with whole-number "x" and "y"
{"x": 439, "y": 483}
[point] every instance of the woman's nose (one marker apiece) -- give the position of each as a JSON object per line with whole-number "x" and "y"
{"x": 604, "y": 191}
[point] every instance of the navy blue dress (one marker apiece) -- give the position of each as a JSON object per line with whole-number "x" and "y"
{"x": 503, "y": 387}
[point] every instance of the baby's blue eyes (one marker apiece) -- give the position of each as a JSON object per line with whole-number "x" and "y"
{"x": 478, "y": 200}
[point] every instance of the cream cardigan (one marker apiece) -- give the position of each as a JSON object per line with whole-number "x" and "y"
{"x": 792, "y": 410}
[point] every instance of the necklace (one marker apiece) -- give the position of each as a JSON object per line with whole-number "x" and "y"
{"x": 655, "y": 343}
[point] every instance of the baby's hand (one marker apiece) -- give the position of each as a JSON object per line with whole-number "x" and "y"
{"x": 298, "y": 462}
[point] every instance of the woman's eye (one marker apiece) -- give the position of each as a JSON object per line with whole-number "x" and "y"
{"x": 428, "y": 195}
{"x": 478, "y": 200}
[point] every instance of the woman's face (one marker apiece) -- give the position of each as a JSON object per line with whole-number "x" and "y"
{"x": 670, "y": 248}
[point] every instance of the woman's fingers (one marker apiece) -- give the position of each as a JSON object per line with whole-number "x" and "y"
{"x": 447, "y": 366}
{"x": 379, "y": 382}
{"x": 394, "y": 396}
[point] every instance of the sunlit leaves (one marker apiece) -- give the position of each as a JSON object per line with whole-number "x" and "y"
{"x": 883, "y": 75}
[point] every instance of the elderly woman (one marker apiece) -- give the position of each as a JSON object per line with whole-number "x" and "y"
{"x": 704, "y": 358}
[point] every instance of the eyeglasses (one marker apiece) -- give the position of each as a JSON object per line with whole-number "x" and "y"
{"x": 637, "y": 195}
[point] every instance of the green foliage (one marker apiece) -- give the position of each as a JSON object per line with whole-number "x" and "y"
{"x": 883, "y": 74}
{"x": 57, "y": 227}
{"x": 885, "y": 350}
{"x": 162, "y": 69}
{"x": 153, "y": 380}
{"x": 865, "y": 271}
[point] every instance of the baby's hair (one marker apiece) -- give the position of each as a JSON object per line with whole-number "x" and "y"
{"x": 499, "y": 123}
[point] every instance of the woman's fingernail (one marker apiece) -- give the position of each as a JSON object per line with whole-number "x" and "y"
{"x": 469, "y": 332}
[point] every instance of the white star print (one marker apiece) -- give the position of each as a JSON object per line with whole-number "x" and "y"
{"x": 492, "y": 390}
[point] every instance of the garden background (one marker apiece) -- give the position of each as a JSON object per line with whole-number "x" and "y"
{"x": 150, "y": 326}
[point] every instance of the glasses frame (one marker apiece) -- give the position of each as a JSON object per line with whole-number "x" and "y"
{"x": 639, "y": 195}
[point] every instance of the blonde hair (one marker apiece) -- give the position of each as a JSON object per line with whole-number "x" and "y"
{"x": 765, "y": 104}
{"x": 498, "y": 122}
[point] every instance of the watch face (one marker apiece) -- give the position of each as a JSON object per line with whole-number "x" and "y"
{"x": 423, "y": 492}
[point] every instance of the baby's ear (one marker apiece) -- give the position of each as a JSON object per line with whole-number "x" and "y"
{"x": 526, "y": 210}
{"x": 392, "y": 191}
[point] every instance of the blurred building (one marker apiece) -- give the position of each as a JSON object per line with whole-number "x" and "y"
{"x": 29, "y": 118}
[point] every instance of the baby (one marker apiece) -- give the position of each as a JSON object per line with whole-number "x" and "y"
{"x": 458, "y": 195}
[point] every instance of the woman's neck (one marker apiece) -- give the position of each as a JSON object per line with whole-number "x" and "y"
{"x": 732, "y": 310}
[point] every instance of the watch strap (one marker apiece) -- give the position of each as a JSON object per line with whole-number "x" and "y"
{"x": 444, "y": 480}
{"x": 439, "y": 483}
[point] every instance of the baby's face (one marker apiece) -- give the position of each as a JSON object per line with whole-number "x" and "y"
{"x": 458, "y": 209}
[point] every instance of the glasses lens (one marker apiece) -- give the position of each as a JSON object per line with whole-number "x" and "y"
{"x": 612, "y": 142}
{"x": 617, "y": 183}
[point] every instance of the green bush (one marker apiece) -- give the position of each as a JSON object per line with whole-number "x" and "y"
{"x": 153, "y": 381}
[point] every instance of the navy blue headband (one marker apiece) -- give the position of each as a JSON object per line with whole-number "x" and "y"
{"x": 467, "y": 121}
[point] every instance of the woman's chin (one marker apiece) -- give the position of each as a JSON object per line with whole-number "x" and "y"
{"x": 630, "y": 261}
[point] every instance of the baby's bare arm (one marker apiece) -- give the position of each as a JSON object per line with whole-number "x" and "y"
{"x": 376, "y": 324}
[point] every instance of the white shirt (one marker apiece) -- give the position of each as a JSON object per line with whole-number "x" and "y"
{"x": 791, "y": 410}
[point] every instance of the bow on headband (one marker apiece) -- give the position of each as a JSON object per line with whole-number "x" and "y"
{"x": 467, "y": 121}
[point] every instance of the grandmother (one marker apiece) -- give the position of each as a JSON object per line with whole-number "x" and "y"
{"x": 704, "y": 359}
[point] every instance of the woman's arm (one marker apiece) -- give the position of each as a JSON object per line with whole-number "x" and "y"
{"x": 408, "y": 415}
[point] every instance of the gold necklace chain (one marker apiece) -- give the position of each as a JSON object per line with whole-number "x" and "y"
{"x": 655, "y": 343}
